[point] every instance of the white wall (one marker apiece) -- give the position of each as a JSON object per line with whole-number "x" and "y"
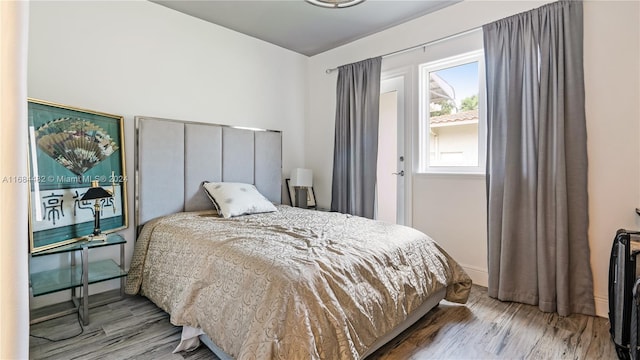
{"x": 452, "y": 209}
{"x": 138, "y": 58}
{"x": 612, "y": 80}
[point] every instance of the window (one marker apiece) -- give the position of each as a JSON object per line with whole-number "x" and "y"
{"x": 452, "y": 125}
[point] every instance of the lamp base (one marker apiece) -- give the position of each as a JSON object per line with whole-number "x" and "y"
{"x": 99, "y": 237}
{"x": 301, "y": 197}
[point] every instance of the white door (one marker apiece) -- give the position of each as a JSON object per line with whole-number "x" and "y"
{"x": 390, "y": 189}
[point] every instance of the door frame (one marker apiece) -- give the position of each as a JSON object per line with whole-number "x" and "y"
{"x": 400, "y": 80}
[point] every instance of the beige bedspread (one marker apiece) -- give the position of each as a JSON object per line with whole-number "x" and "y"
{"x": 295, "y": 284}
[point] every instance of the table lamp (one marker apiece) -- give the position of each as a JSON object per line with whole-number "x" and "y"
{"x": 301, "y": 180}
{"x": 96, "y": 193}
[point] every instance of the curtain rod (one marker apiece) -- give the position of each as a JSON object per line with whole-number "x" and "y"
{"x": 432, "y": 42}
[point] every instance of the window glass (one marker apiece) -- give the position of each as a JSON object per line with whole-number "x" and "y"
{"x": 452, "y": 115}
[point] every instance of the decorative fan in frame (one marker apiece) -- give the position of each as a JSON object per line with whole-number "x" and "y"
{"x": 74, "y": 143}
{"x": 68, "y": 148}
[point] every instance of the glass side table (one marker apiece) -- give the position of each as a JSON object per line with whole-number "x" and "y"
{"x": 74, "y": 276}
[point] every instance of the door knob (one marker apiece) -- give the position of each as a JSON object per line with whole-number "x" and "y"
{"x": 401, "y": 173}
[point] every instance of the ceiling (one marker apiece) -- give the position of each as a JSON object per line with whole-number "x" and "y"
{"x": 302, "y": 27}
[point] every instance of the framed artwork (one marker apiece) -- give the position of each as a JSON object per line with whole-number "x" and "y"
{"x": 68, "y": 149}
{"x": 311, "y": 197}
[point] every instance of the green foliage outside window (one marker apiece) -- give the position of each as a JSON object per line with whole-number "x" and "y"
{"x": 469, "y": 103}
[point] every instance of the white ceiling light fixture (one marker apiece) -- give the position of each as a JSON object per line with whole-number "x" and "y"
{"x": 335, "y": 4}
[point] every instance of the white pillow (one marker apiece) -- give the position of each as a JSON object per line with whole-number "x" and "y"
{"x": 213, "y": 201}
{"x": 234, "y": 199}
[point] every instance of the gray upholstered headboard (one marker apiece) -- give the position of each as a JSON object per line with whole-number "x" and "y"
{"x": 174, "y": 157}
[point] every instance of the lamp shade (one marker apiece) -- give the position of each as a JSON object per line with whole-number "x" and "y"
{"x": 95, "y": 192}
{"x": 302, "y": 177}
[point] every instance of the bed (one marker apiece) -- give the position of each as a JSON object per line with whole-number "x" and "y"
{"x": 290, "y": 283}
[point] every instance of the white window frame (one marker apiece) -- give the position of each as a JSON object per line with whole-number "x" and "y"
{"x": 424, "y": 145}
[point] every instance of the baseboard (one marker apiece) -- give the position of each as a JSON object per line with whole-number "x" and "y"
{"x": 478, "y": 275}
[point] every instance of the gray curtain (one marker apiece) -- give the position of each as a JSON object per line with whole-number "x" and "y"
{"x": 537, "y": 160}
{"x": 355, "y": 152}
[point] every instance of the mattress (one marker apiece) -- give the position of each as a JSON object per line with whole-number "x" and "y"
{"x": 290, "y": 284}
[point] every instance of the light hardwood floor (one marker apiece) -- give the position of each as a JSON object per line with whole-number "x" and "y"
{"x": 484, "y": 328}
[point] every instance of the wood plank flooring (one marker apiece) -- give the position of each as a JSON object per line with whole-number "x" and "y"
{"x": 484, "y": 328}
